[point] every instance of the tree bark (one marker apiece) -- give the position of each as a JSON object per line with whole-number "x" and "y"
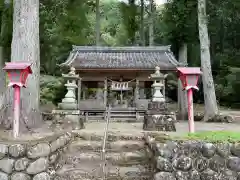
{"x": 182, "y": 95}
{"x": 211, "y": 108}
{"x": 97, "y": 23}
{"x": 25, "y": 47}
{"x": 2, "y": 79}
{"x": 142, "y": 36}
{"x": 151, "y": 23}
{"x": 3, "y": 89}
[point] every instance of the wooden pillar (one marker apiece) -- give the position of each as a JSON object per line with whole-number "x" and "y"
{"x": 83, "y": 91}
{"x": 136, "y": 98}
{"x": 105, "y": 92}
{"x": 136, "y": 91}
{"x": 79, "y": 91}
{"x": 164, "y": 89}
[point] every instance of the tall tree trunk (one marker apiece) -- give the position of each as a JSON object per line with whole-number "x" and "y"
{"x": 25, "y": 47}
{"x": 142, "y": 24}
{"x": 2, "y": 79}
{"x": 4, "y": 21}
{"x": 97, "y": 23}
{"x": 182, "y": 95}
{"x": 151, "y": 23}
{"x": 211, "y": 108}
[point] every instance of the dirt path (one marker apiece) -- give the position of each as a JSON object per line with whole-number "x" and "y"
{"x": 182, "y": 127}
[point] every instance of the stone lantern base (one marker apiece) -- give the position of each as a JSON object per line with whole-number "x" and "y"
{"x": 68, "y": 119}
{"x": 158, "y": 118}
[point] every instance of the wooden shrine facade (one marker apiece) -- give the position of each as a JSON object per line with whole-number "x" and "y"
{"x": 117, "y": 76}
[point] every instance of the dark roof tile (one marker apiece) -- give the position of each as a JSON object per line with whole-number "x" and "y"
{"x": 91, "y": 57}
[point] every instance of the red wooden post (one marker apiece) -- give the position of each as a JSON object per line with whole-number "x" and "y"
{"x": 16, "y": 111}
{"x": 17, "y": 72}
{"x": 189, "y": 78}
{"x": 191, "y": 126}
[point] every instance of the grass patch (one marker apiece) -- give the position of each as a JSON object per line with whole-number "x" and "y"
{"x": 215, "y": 136}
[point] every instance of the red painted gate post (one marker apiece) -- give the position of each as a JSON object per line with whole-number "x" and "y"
{"x": 189, "y": 77}
{"x": 17, "y": 73}
{"x": 190, "y": 111}
{"x": 16, "y": 111}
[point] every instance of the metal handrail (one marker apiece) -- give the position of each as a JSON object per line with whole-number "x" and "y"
{"x": 103, "y": 154}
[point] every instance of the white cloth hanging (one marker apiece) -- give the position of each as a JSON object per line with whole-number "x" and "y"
{"x": 119, "y": 85}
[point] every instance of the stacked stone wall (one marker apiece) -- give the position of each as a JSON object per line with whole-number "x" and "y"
{"x": 28, "y": 160}
{"x": 194, "y": 160}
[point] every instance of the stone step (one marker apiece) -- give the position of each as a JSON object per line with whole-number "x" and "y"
{"x": 89, "y": 171}
{"x": 112, "y": 135}
{"x": 80, "y": 145}
{"x": 114, "y": 158}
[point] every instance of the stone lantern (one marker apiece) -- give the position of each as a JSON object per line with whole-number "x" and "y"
{"x": 158, "y": 85}
{"x": 69, "y": 102}
{"x": 157, "y": 117}
{"x": 68, "y": 113}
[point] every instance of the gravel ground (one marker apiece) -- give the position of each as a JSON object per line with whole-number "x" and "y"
{"x": 127, "y": 128}
{"x": 182, "y": 127}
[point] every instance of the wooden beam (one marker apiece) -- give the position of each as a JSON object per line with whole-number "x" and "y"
{"x": 105, "y": 92}
{"x": 137, "y": 91}
{"x": 79, "y": 91}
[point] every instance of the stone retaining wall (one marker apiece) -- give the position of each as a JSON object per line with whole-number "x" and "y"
{"x": 35, "y": 160}
{"x": 195, "y": 160}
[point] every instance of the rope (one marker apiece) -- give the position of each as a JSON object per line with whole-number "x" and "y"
{"x": 119, "y": 81}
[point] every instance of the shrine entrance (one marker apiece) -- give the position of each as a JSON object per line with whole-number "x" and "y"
{"x": 121, "y": 94}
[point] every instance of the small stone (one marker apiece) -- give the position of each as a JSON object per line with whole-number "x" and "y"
{"x": 6, "y": 165}
{"x": 17, "y": 150}
{"x": 53, "y": 158}
{"x": 38, "y": 166}
{"x": 20, "y": 176}
{"x": 60, "y": 142}
{"x": 217, "y": 163}
{"x": 42, "y": 176}
{"x": 235, "y": 149}
{"x": 191, "y": 148}
{"x": 233, "y": 163}
{"x": 164, "y": 165}
{"x": 209, "y": 175}
{"x": 200, "y": 164}
{"x": 164, "y": 151}
{"x": 164, "y": 176}
{"x": 3, "y": 150}
{"x": 182, "y": 163}
{"x": 182, "y": 175}
{"x": 3, "y": 176}
{"x": 21, "y": 164}
{"x": 223, "y": 149}
{"x": 194, "y": 175}
{"x": 208, "y": 150}
{"x": 228, "y": 175}
{"x": 39, "y": 150}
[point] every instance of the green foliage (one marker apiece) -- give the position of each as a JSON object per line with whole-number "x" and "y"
{"x": 52, "y": 89}
{"x": 72, "y": 22}
{"x": 180, "y": 25}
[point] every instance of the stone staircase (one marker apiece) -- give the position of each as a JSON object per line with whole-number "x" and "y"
{"x": 127, "y": 158}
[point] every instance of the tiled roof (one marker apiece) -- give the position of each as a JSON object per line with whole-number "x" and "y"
{"x": 92, "y": 57}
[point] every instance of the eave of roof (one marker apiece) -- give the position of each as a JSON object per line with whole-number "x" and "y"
{"x": 94, "y": 57}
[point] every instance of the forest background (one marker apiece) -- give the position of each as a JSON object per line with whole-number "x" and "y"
{"x": 72, "y": 22}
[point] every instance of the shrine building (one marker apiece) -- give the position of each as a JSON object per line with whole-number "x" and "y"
{"x": 117, "y": 77}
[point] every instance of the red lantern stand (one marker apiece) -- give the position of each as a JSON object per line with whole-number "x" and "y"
{"x": 17, "y": 73}
{"x": 189, "y": 77}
